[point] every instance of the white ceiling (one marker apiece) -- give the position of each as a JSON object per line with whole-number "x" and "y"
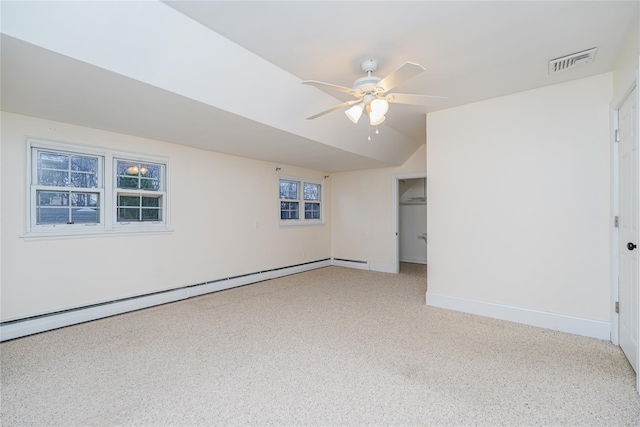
{"x": 472, "y": 51}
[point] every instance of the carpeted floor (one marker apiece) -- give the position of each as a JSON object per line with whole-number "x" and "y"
{"x": 333, "y": 346}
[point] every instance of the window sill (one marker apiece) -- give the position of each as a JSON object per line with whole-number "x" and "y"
{"x": 63, "y": 235}
{"x": 298, "y": 223}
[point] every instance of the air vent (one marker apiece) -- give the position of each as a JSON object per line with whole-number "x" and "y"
{"x": 574, "y": 60}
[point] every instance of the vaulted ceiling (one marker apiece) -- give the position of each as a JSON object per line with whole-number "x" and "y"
{"x": 225, "y": 76}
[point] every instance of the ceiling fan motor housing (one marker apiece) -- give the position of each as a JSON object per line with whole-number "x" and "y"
{"x": 366, "y": 84}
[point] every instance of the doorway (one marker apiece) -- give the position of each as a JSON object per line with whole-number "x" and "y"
{"x": 409, "y": 218}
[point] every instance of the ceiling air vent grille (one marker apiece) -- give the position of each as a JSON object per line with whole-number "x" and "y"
{"x": 572, "y": 61}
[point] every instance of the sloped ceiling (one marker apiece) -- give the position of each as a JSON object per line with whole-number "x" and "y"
{"x": 225, "y": 76}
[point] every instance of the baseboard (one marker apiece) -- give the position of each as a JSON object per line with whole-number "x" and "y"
{"x": 382, "y": 268}
{"x": 363, "y": 265}
{"x": 350, "y": 263}
{"x": 414, "y": 261}
{"x": 33, "y": 325}
{"x": 558, "y": 322}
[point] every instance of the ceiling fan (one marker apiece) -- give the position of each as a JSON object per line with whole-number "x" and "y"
{"x": 371, "y": 92}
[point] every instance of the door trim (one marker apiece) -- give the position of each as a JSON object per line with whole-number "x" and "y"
{"x": 615, "y": 106}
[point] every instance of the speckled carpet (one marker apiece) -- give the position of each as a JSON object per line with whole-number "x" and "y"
{"x": 332, "y": 346}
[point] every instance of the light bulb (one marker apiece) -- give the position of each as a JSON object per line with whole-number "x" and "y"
{"x": 143, "y": 170}
{"x": 133, "y": 170}
{"x": 355, "y": 112}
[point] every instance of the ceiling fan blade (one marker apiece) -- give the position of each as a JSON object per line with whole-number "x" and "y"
{"x": 337, "y": 107}
{"x": 407, "y": 98}
{"x": 322, "y": 85}
{"x": 402, "y": 74}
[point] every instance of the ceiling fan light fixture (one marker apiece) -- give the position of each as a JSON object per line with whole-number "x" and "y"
{"x": 355, "y": 112}
{"x": 379, "y": 107}
{"x": 376, "y": 119}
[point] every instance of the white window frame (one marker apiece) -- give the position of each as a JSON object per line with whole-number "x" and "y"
{"x": 107, "y": 191}
{"x": 301, "y": 221}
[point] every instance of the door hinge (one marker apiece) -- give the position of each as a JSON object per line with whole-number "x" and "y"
{"x": 617, "y": 135}
{"x": 616, "y": 221}
{"x": 617, "y": 307}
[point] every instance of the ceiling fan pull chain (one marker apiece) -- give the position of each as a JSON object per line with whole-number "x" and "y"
{"x": 369, "y": 137}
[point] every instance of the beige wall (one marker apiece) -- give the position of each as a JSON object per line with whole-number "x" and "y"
{"x": 224, "y": 213}
{"x": 519, "y": 190}
{"x": 363, "y": 208}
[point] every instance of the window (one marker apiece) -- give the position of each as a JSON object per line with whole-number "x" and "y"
{"x": 139, "y": 192}
{"x": 296, "y": 195}
{"x": 80, "y": 190}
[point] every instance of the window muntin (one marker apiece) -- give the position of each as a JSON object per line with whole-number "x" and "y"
{"x": 59, "y": 169}
{"x": 67, "y": 207}
{"x": 295, "y": 194}
{"x": 143, "y": 176}
{"x": 137, "y": 207}
{"x": 70, "y": 186}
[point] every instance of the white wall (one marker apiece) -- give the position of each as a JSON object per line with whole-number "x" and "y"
{"x": 518, "y": 212}
{"x": 626, "y": 66}
{"x": 224, "y": 211}
{"x": 362, "y": 213}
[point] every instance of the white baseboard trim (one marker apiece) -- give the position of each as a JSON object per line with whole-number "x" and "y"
{"x": 349, "y": 263}
{"x": 414, "y": 261}
{"x": 382, "y": 268}
{"x": 558, "y": 322}
{"x": 20, "y": 328}
{"x": 363, "y": 265}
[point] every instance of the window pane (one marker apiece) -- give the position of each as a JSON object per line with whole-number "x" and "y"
{"x": 312, "y": 211}
{"x": 84, "y": 164}
{"x": 128, "y": 200}
{"x": 53, "y": 161}
{"x": 151, "y": 201}
{"x": 85, "y": 215}
{"x": 151, "y": 214}
{"x": 53, "y": 178}
{"x": 127, "y": 168}
{"x": 50, "y": 198}
{"x": 127, "y": 182}
{"x": 128, "y": 214}
{"x": 59, "y": 215}
{"x": 288, "y": 190}
{"x": 150, "y": 171}
{"x": 149, "y": 184}
{"x": 84, "y": 180}
{"x": 311, "y": 191}
{"x": 84, "y": 199}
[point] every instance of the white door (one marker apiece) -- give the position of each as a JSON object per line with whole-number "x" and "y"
{"x": 628, "y": 228}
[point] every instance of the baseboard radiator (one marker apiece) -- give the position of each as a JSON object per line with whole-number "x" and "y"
{"x": 46, "y": 322}
{"x": 350, "y": 263}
